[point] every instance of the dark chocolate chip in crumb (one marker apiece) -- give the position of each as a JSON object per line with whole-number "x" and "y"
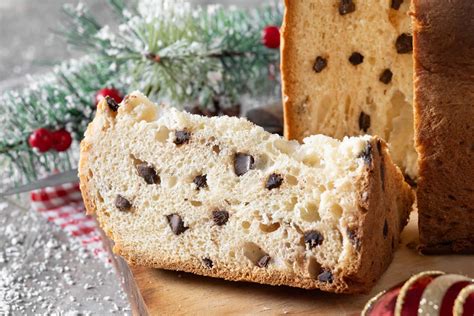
{"x": 386, "y": 76}
{"x": 367, "y": 154}
{"x": 346, "y": 6}
{"x": 364, "y": 121}
{"x": 356, "y": 58}
{"x": 274, "y": 181}
{"x": 325, "y": 276}
{"x": 313, "y": 238}
{"x": 113, "y": 105}
{"x": 200, "y": 181}
{"x": 404, "y": 44}
{"x": 208, "y": 263}
{"x": 264, "y": 261}
{"x": 385, "y": 229}
{"x": 319, "y": 64}
{"x": 148, "y": 173}
{"x": 182, "y": 137}
{"x": 354, "y": 239}
{"x": 243, "y": 163}
{"x": 220, "y": 217}
{"x": 122, "y": 203}
{"x": 379, "y": 147}
{"x": 176, "y": 224}
{"x": 396, "y": 4}
{"x": 410, "y": 181}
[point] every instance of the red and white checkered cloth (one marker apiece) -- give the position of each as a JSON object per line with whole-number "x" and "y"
{"x": 63, "y": 206}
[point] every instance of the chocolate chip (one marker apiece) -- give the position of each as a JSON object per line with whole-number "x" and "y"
{"x": 274, "y": 181}
{"x": 176, "y": 224}
{"x": 325, "y": 276}
{"x": 356, "y": 58}
{"x": 243, "y": 163}
{"x": 208, "y": 262}
{"x": 346, "y": 6}
{"x": 354, "y": 239}
{"x": 404, "y": 44}
{"x": 200, "y": 181}
{"x": 364, "y": 121}
{"x": 148, "y": 173}
{"x": 122, "y": 203}
{"x": 367, "y": 154}
{"x": 263, "y": 261}
{"x": 379, "y": 147}
{"x": 319, "y": 64}
{"x": 386, "y": 76}
{"x": 410, "y": 181}
{"x": 220, "y": 217}
{"x": 216, "y": 149}
{"x": 385, "y": 229}
{"x": 113, "y": 105}
{"x": 313, "y": 238}
{"x": 182, "y": 137}
{"x": 396, "y": 4}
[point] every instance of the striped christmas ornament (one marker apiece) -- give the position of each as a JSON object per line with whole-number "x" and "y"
{"x": 426, "y": 293}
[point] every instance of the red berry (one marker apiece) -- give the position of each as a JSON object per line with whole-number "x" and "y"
{"x": 271, "y": 37}
{"x": 41, "y": 139}
{"x": 111, "y": 92}
{"x": 61, "y": 140}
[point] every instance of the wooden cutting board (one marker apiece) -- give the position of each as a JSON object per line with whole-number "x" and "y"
{"x": 163, "y": 292}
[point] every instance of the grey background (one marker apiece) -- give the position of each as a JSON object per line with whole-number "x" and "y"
{"x": 28, "y": 44}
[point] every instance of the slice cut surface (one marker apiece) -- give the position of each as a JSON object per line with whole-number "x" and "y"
{"x": 347, "y": 69}
{"x": 222, "y": 197}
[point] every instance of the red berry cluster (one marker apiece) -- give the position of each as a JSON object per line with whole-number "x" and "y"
{"x": 44, "y": 140}
{"x": 60, "y": 140}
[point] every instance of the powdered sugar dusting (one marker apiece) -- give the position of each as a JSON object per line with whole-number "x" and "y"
{"x": 43, "y": 271}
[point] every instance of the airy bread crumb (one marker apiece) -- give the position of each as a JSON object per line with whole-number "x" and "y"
{"x": 222, "y": 197}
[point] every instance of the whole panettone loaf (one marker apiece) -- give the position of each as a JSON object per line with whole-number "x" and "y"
{"x": 444, "y": 118}
{"x": 221, "y": 197}
{"x": 347, "y": 70}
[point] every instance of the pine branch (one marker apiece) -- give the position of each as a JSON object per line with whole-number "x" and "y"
{"x": 63, "y": 98}
{"x": 185, "y": 53}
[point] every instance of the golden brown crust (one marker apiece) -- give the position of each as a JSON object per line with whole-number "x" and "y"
{"x": 444, "y": 116}
{"x": 381, "y": 183}
{"x": 291, "y": 120}
{"x": 256, "y": 275}
{"x": 84, "y": 181}
{"x": 84, "y": 176}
